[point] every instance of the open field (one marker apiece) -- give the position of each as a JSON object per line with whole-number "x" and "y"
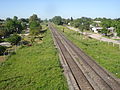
{"x": 104, "y": 54}
{"x": 34, "y": 67}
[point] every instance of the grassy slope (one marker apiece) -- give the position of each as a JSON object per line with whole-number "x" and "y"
{"x": 106, "y": 55}
{"x": 35, "y": 67}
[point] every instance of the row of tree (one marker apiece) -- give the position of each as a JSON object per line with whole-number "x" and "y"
{"x": 84, "y": 23}
{"x": 15, "y": 25}
{"x": 11, "y": 28}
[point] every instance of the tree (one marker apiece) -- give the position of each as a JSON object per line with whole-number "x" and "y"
{"x": 15, "y": 18}
{"x": 46, "y": 21}
{"x": 118, "y": 29}
{"x": 81, "y": 27}
{"x": 17, "y": 25}
{"x": 13, "y": 25}
{"x": 35, "y": 26}
{"x": 24, "y": 25}
{"x": 34, "y": 17}
{"x": 71, "y": 19}
{"x": 82, "y": 23}
{"x": 35, "y": 31}
{"x": 24, "y": 20}
{"x": 104, "y": 31}
{"x": 57, "y": 20}
{"x": 66, "y": 21}
{"x": 10, "y": 25}
{"x": 76, "y": 23}
{"x": 106, "y": 23}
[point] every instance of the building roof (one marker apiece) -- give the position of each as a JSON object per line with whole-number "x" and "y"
{"x": 97, "y": 21}
{"x": 97, "y": 28}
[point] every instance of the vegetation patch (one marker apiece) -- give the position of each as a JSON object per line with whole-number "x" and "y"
{"x": 33, "y": 67}
{"x": 104, "y": 54}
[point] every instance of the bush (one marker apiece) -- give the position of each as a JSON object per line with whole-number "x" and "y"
{"x": 14, "y": 39}
{"x": 2, "y": 49}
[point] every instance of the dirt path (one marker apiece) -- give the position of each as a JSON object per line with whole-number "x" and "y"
{"x": 2, "y": 59}
{"x": 95, "y": 36}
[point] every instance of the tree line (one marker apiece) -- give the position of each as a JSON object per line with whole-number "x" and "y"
{"x": 84, "y": 23}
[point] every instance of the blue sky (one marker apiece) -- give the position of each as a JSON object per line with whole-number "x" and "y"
{"x": 65, "y": 8}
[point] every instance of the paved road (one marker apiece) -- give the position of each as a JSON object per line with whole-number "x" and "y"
{"x": 95, "y": 36}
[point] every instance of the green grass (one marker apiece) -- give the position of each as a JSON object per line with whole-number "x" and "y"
{"x": 106, "y": 55}
{"x": 33, "y": 68}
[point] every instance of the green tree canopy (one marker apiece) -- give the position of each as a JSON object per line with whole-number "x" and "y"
{"x": 35, "y": 26}
{"x": 14, "y": 39}
{"x": 13, "y": 25}
{"x": 10, "y": 25}
{"x": 82, "y": 23}
{"x": 34, "y": 17}
{"x": 57, "y": 20}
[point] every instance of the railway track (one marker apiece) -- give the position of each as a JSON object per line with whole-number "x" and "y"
{"x": 82, "y": 71}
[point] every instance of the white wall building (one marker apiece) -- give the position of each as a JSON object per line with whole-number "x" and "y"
{"x": 96, "y": 29}
{"x": 111, "y": 29}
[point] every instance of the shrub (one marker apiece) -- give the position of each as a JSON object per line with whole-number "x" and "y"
{"x": 2, "y": 49}
{"x": 14, "y": 39}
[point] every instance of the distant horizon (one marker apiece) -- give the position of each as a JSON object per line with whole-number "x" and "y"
{"x": 57, "y": 15}
{"x": 64, "y": 8}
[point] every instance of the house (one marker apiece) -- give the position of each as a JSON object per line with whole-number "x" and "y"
{"x": 111, "y": 29}
{"x": 97, "y": 29}
{"x": 68, "y": 23}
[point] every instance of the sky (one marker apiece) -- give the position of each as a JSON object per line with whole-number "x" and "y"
{"x": 65, "y": 8}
